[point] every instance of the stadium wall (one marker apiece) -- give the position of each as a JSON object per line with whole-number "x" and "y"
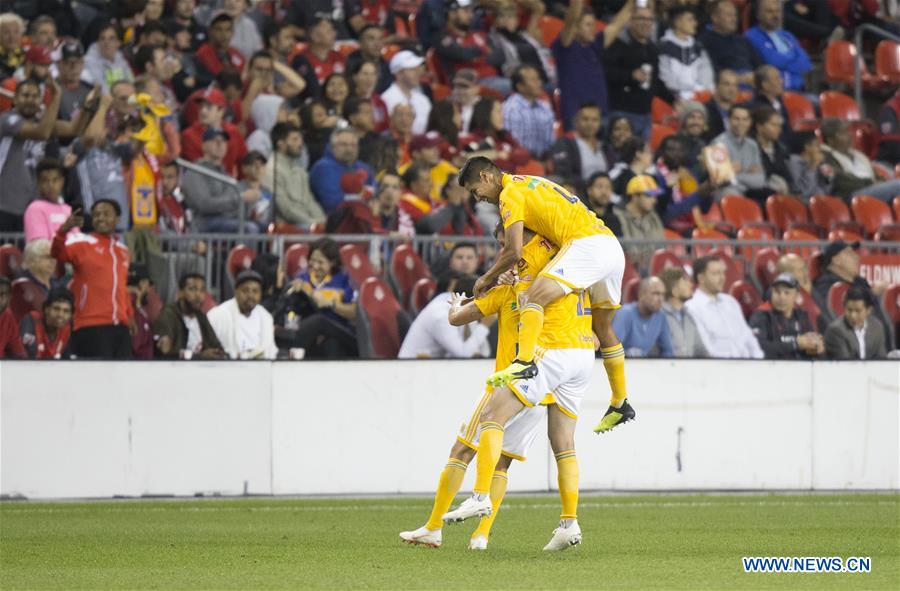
{"x": 102, "y": 429}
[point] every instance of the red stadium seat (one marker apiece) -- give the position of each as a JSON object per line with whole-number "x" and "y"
{"x": 800, "y": 236}
{"x": 658, "y": 133}
{"x": 703, "y": 96}
{"x": 630, "y": 271}
{"x": 630, "y": 290}
{"x": 783, "y": 210}
{"x": 838, "y": 105}
{"x": 836, "y": 298}
{"x": 740, "y": 211}
{"x": 405, "y": 269}
{"x": 390, "y": 50}
{"x": 422, "y": 293}
{"x": 839, "y": 66}
{"x": 679, "y": 249}
{"x": 888, "y": 233}
{"x": 662, "y": 112}
{"x": 896, "y": 204}
{"x": 382, "y": 322}
{"x": 239, "y": 259}
{"x": 844, "y": 234}
{"x": 663, "y": 259}
{"x": 753, "y": 233}
{"x": 765, "y": 267}
{"x": 532, "y": 168}
{"x": 887, "y": 62}
{"x": 440, "y": 91}
{"x": 734, "y": 268}
{"x": 704, "y": 234}
{"x": 832, "y": 213}
{"x": 357, "y": 264}
{"x": 747, "y": 297}
{"x": 801, "y": 112}
{"x": 871, "y": 213}
{"x": 10, "y": 260}
{"x": 296, "y": 258}
{"x": 209, "y": 302}
{"x": 806, "y": 303}
{"x": 317, "y": 228}
{"x": 25, "y": 296}
{"x": 815, "y": 266}
{"x": 551, "y": 27}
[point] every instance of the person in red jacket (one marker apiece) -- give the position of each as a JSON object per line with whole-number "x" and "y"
{"x": 46, "y": 334}
{"x": 10, "y": 341}
{"x": 103, "y": 313}
{"x": 216, "y": 54}
{"x": 212, "y": 114}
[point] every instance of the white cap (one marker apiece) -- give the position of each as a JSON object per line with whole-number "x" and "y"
{"x": 405, "y": 60}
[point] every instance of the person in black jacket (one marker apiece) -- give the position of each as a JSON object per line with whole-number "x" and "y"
{"x": 783, "y": 331}
{"x": 767, "y": 126}
{"x": 600, "y": 200}
{"x": 578, "y": 157}
{"x": 717, "y": 107}
{"x": 183, "y": 325}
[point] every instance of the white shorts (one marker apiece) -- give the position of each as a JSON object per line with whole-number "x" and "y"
{"x": 597, "y": 262}
{"x": 518, "y": 434}
{"x": 565, "y": 373}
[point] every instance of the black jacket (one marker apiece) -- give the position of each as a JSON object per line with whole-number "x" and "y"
{"x": 715, "y": 120}
{"x": 777, "y": 335}
{"x": 731, "y": 52}
{"x": 170, "y": 324}
{"x": 622, "y": 58}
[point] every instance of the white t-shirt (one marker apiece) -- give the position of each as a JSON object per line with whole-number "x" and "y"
{"x": 394, "y": 96}
{"x": 194, "y": 338}
{"x": 249, "y": 331}
{"x": 432, "y": 336}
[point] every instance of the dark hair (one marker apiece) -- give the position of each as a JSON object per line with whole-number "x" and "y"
{"x": 440, "y": 119}
{"x": 115, "y": 206}
{"x": 830, "y": 127}
{"x": 474, "y": 167}
{"x": 331, "y": 250}
{"x": 227, "y": 78}
{"x": 266, "y": 264}
{"x": 368, "y": 27}
{"x": 49, "y": 164}
{"x": 144, "y": 56}
{"x": 595, "y": 176}
{"x": 481, "y": 116}
{"x": 5, "y": 282}
{"x": 760, "y": 74}
{"x": 724, "y": 70}
{"x": 151, "y": 27}
{"x": 185, "y": 277}
{"x": 465, "y": 283}
{"x": 358, "y": 65}
{"x": 801, "y": 139}
{"x": 735, "y": 107}
{"x": 858, "y": 293}
{"x": 412, "y": 174}
{"x": 679, "y": 10}
{"x": 253, "y": 156}
{"x": 670, "y": 277}
{"x": 702, "y": 263}
{"x": 665, "y": 144}
{"x": 352, "y": 105}
{"x": 460, "y": 245}
{"x": 318, "y": 20}
{"x": 59, "y": 294}
{"x": 220, "y": 17}
{"x": 762, "y": 114}
{"x": 281, "y": 131}
{"x": 613, "y": 121}
{"x": 333, "y": 76}
{"x": 28, "y": 82}
{"x": 631, "y": 147}
{"x": 517, "y": 75}
{"x": 451, "y": 179}
{"x": 261, "y": 54}
{"x": 590, "y": 105}
{"x": 306, "y": 119}
{"x": 34, "y": 24}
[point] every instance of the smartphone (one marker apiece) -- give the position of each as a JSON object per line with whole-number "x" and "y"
{"x": 642, "y": 3}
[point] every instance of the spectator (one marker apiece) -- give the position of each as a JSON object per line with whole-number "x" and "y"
{"x": 686, "y": 341}
{"x": 266, "y": 111}
{"x": 138, "y": 290}
{"x": 750, "y": 178}
{"x": 252, "y": 171}
{"x": 637, "y": 158}
{"x": 372, "y": 146}
{"x": 778, "y": 47}
{"x": 266, "y": 77}
{"x": 335, "y": 91}
{"x": 320, "y": 54}
{"x": 307, "y": 14}
{"x": 693, "y": 133}
{"x": 578, "y": 158}
{"x": 340, "y": 157}
{"x": 617, "y": 131}
{"x": 445, "y": 121}
{"x": 464, "y": 258}
{"x": 487, "y": 136}
{"x": 155, "y": 70}
{"x": 579, "y": 52}
{"x": 767, "y": 126}
{"x": 641, "y": 326}
{"x": 839, "y": 263}
{"x": 100, "y": 264}
{"x": 189, "y": 34}
{"x": 74, "y": 93}
{"x": 528, "y": 116}
{"x": 464, "y": 96}
{"x": 406, "y": 68}
{"x": 453, "y": 216}
{"x": 24, "y": 132}
{"x": 183, "y": 326}
{"x": 632, "y": 67}
{"x": 217, "y": 55}
{"x": 364, "y": 76}
{"x": 38, "y": 266}
{"x": 372, "y": 12}
{"x": 784, "y": 331}
{"x": 281, "y": 44}
{"x": 814, "y": 19}
{"x": 245, "y": 328}
{"x": 599, "y": 192}
{"x": 431, "y": 337}
{"x": 246, "y": 38}
{"x": 212, "y": 116}
{"x": 682, "y": 201}
{"x": 10, "y": 339}
{"x": 400, "y": 131}
{"x": 718, "y": 316}
{"x": 327, "y": 331}
{"x": 48, "y": 212}
{"x": 770, "y": 93}
{"x": 389, "y": 218}
{"x": 288, "y": 180}
{"x": 46, "y": 334}
{"x": 174, "y": 218}
{"x": 727, "y": 48}
{"x": 809, "y": 173}
{"x": 371, "y": 44}
{"x": 317, "y": 126}
{"x": 722, "y": 100}
{"x": 216, "y": 205}
{"x": 853, "y": 172}
{"x": 425, "y": 150}
{"x": 684, "y": 65}
{"x": 856, "y": 334}
{"x": 795, "y": 266}
{"x": 639, "y": 220}
{"x": 889, "y": 125}
{"x": 38, "y": 61}
{"x": 416, "y": 200}
{"x": 521, "y": 46}
{"x": 104, "y": 64}
{"x": 12, "y": 54}
{"x": 430, "y": 21}
{"x": 460, "y": 47}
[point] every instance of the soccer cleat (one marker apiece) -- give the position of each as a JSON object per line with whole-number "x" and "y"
{"x": 564, "y": 537}
{"x": 422, "y": 537}
{"x": 615, "y": 417}
{"x": 517, "y": 370}
{"x": 479, "y": 542}
{"x": 471, "y": 507}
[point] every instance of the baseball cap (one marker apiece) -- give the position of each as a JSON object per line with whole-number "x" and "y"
{"x": 465, "y": 77}
{"x": 642, "y": 183}
{"x": 786, "y": 279}
{"x": 405, "y": 60}
{"x": 214, "y": 132}
{"x": 38, "y": 54}
{"x": 214, "y": 96}
{"x": 833, "y": 249}
{"x": 71, "y": 49}
{"x": 247, "y": 275}
{"x": 432, "y": 139}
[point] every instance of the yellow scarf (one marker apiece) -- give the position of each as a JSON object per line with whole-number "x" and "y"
{"x": 143, "y": 192}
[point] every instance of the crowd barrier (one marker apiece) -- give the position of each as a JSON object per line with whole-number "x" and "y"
{"x": 105, "y": 429}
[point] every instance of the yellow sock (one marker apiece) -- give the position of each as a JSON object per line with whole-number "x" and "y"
{"x": 614, "y": 364}
{"x": 567, "y": 477}
{"x": 498, "y": 491}
{"x": 448, "y": 485}
{"x": 489, "y": 446}
{"x": 531, "y": 320}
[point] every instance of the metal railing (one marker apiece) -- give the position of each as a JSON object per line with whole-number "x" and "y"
{"x": 857, "y": 63}
{"x": 222, "y": 178}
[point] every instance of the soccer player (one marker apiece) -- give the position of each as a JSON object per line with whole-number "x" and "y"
{"x": 589, "y": 256}
{"x": 501, "y": 300}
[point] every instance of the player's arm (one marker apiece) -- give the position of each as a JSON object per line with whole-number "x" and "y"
{"x": 463, "y": 310}
{"x": 508, "y": 256}
{"x": 615, "y": 26}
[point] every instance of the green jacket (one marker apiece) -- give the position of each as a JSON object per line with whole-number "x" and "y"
{"x": 169, "y": 324}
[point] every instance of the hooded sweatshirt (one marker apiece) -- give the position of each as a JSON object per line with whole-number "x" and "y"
{"x": 99, "y": 70}
{"x": 264, "y": 112}
{"x": 684, "y": 66}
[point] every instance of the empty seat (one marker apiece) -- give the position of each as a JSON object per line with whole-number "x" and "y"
{"x": 662, "y": 112}
{"x": 747, "y": 296}
{"x": 357, "y": 264}
{"x": 801, "y": 112}
{"x": 382, "y": 323}
{"x": 846, "y": 235}
{"x": 738, "y": 210}
{"x": 678, "y": 249}
{"x": 888, "y": 233}
{"x": 765, "y": 267}
{"x": 871, "y": 213}
{"x": 840, "y": 58}
{"x": 705, "y": 234}
{"x": 800, "y": 236}
{"x": 838, "y": 105}
{"x": 551, "y": 27}
{"x": 753, "y": 233}
{"x": 296, "y": 259}
{"x": 806, "y": 303}
{"x": 832, "y": 213}
{"x": 406, "y": 268}
{"x": 663, "y": 259}
{"x": 239, "y": 259}
{"x": 784, "y": 210}
{"x": 896, "y": 204}
{"x": 887, "y": 62}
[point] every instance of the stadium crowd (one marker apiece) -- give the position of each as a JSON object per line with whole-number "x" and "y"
{"x": 126, "y": 122}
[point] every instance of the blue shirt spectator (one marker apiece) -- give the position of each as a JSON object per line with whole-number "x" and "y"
{"x": 340, "y": 158}
{"x": 778, "y": 47}
{"x": 526, "y": 116}
{"x": 641, "y": 326}
{"x": 330, "y": 289}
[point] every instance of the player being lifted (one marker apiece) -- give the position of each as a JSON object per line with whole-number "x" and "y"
{"x": 590, "y": 257}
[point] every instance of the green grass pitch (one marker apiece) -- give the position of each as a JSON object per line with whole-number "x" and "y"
{"x": 630, "y": 542}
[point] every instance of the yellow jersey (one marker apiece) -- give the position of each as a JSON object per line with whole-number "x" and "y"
{"x": 439, "y": 174}
{"x": 547, "y": 209}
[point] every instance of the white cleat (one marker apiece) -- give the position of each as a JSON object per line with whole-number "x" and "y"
{"x": 478, "y": 543}
{"x": 422, "y": 537}
{"x": 564, "y": 537}
{"x": 471, "y": 507}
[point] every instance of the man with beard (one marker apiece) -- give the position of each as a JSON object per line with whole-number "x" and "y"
{"x": 38, "y": 61}
{"x": 183, "y": 326}
{"x": 289, "y": 181}
{"x": 23, "y": 136}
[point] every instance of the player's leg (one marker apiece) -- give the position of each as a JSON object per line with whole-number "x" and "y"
{"x": 499, "y": 482}
{"x": 561, "y": 431}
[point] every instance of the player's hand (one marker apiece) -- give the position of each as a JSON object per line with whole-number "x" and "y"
{"x": 481, "y": 287}
{"x": 510, "y": 277}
